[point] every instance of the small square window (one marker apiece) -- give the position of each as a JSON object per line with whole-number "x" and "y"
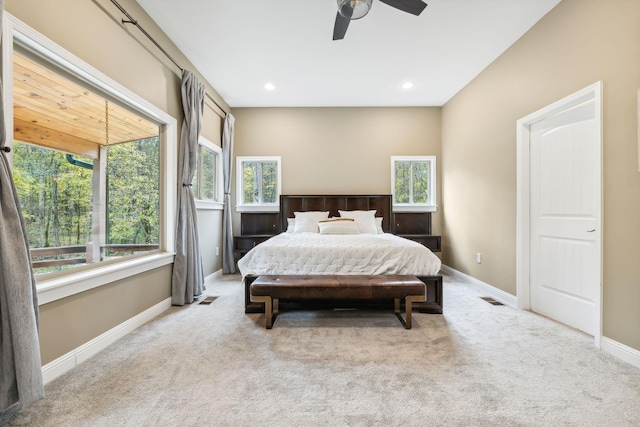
{"x": 413, "y": 183}
{"x": 258, "y": 183}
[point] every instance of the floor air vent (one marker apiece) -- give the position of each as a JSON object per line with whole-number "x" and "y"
{"x": 208, "y": 300}
{"x": 491, "y": 301}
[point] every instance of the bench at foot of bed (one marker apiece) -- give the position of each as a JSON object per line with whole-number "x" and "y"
{"x": 269, "y": 289}
{"x": 432, "y": 305}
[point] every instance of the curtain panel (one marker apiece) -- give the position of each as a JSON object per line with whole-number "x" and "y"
{"x": 187, "y": 281}
{"x": 228, "y": 262}
{"x": 20, "y": 373}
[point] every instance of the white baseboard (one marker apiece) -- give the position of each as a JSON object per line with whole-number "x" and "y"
{"x": 212, "y": 277}
{"x": 490, "y": 291}
{"x": 616, "y": 349}
{"x": 62, "y": 364}
{"x": 621, "y": 351}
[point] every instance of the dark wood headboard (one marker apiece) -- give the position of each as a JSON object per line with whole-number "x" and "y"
{"x": 299, "y": 203}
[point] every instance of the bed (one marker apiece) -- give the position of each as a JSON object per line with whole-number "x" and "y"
{"x": 297, "y": 251}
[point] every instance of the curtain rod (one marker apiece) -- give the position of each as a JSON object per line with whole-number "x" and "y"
{"x": 134, "y": 22}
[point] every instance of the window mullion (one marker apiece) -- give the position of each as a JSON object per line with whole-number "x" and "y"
{"x": 410, "y": 182}
{"x": 259, "y": 181}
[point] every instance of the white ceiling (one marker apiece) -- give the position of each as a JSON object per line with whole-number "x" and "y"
{"x": 238, "y": 46}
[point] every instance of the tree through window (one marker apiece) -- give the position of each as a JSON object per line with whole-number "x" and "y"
{"x": 87, "y": 171}
{"x": 413, "y": 181}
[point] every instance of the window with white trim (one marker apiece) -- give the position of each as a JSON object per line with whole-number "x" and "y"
{"x": 413, "y": 183}
{"x": 99, "y": 139}
{"x": 258, "y": 183}
{"x": 207, "y": 179}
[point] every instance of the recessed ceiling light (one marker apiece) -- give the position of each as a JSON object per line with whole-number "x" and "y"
{"x": 407, "y": 85}
{"x": 269, "y": 86}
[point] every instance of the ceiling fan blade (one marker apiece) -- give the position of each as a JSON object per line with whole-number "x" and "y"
{"x": 340, "y": 28}
{"x": 414, "y": 7}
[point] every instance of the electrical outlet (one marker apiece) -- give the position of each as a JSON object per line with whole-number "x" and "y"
{"x": 217, "y": 251}
{"x": 478, "y": 257}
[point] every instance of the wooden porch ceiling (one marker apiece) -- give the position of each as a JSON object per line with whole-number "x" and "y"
{"x": 52, "y": 111}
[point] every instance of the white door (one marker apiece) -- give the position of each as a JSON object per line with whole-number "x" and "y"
{"x": 565, "y": 194}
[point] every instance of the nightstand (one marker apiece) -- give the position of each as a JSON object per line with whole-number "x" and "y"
{"x": 430, "y": 241}
{"x": 243, "y": 244}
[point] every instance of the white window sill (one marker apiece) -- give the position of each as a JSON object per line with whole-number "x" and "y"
{"x": 209, "y": 205}
{"x": 415, "y": 208}
{"x": 50, "y": 290}
{"x": 257, "y": 208}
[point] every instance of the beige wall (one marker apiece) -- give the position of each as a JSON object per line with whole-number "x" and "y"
{"x": 576, "y": 44}
{"x": 337, "y": 150}
{"x": 70, "y": 322}
{"x": 92, "y": 31}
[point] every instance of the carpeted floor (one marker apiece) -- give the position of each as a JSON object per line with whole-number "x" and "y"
{"x": 214, "y": 365}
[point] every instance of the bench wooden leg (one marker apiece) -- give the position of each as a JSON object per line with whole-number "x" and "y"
{"x": 269, "y": 305}
{"x": 408, "y": 302}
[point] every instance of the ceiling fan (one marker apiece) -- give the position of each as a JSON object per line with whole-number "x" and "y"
{"x": 356, "y": 9}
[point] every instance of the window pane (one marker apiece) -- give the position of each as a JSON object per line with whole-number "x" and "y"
{"x": 402, "y": 182}
{"x": 55, "y": 198}
{"x": 250, "y": 175}
{"x": 133, "y": 195}
{"x": 207, "y": 188}
{"x": 421, "y": 172}
{"x": 80, "y": 210}
{"x": 269, "y": 181}
{"x": 195, "y": 183}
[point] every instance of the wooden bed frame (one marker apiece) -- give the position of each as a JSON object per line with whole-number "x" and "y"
{"x": 332, "y": 203}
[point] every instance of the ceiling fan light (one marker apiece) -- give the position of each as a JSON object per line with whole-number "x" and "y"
{"x": 354, "y": 9}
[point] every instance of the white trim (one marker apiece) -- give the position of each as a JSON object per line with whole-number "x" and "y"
{"x": 60, "y": 287}
{"x": 614, "y": 348}
{"x": 206, "y": 205}
{"x": 621, "y": 351}
{"x": 50, "y": 290}
{"x": 258, "y": 207}
{"x": 415, "y": 207}
{"x": 65, "y": 363}
{"x": 490, "y": 291}
{"x": 523, "y": 243}
{"x": 218, "y": 203}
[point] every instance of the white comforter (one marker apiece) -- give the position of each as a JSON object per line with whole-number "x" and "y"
{"x": 313, "y": 253}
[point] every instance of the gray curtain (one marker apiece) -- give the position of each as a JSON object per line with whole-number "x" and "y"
{"x": 20, "y": 373}
{"x": 188, "y": 277}
{"x": 228, "y": 262}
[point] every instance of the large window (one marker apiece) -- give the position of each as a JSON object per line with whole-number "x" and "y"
{"x": 86, "y": 170}
{"x": 258, "y": 183}
{"x": 413, "y": 183}
{"x": 94, "y": 165}
{"x": 207, "y": 179}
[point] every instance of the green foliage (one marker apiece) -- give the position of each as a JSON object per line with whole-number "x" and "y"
{"x": 259, "y": 182}
{"x": 412, "y": 181}
{"x": 55, "y": 197}
{"x": 403, "y": 182}
{"x": 133, "y": 194}
{"x": 57, "y": 201}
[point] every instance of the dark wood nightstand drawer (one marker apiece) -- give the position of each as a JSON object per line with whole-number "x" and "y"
{"x": 243, "y": 244}
{"x": 428, "y": 240}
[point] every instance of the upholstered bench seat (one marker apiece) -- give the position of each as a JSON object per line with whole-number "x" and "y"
{"x": 269, "y": 289}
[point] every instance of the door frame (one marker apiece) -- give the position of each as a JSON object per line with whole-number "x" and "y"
{"x": 523, "y": 227}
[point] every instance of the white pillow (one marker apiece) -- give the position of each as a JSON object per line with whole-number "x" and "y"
{"x": 291, "y": 225}
{"x": 308, "y": 221}
{"x": 338, "y": 226}
{"x": 379, "y": 225}
{"x": 365, "y": 220}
